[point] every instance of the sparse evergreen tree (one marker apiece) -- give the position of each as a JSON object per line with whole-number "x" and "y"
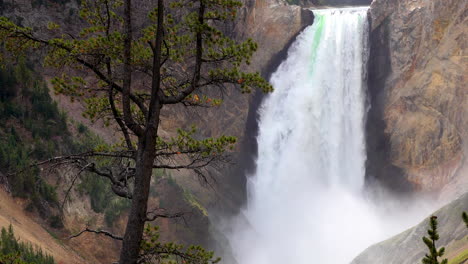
{"x": 11, "y": 259}
{"x": 465, "y": 218}
{"x": 434, "y": 254}
{"x": 153, "y": 251}
{"x": 13, "y": 251}
{"x": 126, "y": 72}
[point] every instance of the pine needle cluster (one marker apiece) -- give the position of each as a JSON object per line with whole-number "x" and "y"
{"x": 433, "y": 256}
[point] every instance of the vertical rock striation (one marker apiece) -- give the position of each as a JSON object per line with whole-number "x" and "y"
{"x": 418, "y": 71}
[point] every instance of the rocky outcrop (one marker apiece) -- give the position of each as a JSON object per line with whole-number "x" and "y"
{"x": 418, "y": 124}
{"x": 273, "y": 24}
{"x": 408, "y": 247}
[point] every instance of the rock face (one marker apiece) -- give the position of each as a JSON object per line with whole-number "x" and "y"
{"x": 418, "y": 124}
{"x": 330, "y": 2}
{"x": 271, "y": 23}
{"x": 408, "y": 247}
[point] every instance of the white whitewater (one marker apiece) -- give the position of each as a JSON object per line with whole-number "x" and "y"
{"x": 306, "y": 201}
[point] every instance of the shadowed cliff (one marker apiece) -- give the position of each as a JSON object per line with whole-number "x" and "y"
{"x": 417, "y": 127}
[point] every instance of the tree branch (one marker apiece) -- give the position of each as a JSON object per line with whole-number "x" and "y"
{"x": 127, "y": 71}
{"x": 99, "y": 232}
{"x": 194, "y": 164}
{"x": 93, "y": 68}
{"x": 119, "y": 121}
{"x": 153, "y": 215}
{"x": 156, "y": 80}
{"x": 119, "y": 186}
{"x": 198, "y": 63}
{"x": 71, "y": 186}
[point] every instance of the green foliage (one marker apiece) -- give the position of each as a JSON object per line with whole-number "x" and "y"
{"x": 8, "y": 84}
{"x": 40, "y": 116}
{"x": 171, "y": 181}
{"x": 105, "y": 38}
{"x": 190, "y": 198}
{"x": 98, "y": 190}
{"x": 153, "y": 251}
{"x": 26, "y": 97}
{"x": 103, "y": 200}
{"x": 293, "y": 2}
{"x": 12, "y": 251}
{"x": 185, "y": 55}
{"x": 82, "y": 128}
{"x": 460, "y": 258}
{"x": 26, "y": 104}
{"x": 11, "y": 259}
{"x": 434, "y": 253}
{"x": 186, "y": 144}
{"x": 55, "y": 221}
{"x": 115, "y": 208}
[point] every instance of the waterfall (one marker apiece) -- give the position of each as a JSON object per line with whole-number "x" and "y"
{"x": 306, "y": 201}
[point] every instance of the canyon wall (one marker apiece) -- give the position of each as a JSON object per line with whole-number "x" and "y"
{"x": 272, "y": 24}
{"x": 418, "y": 124}
{"x": 408, "y": 247}
{"x": 417, "y": 127}
{"x": 418, "y": 70}
{"x": 330, "y": 2}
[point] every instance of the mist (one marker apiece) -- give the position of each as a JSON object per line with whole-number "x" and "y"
{"x": 307, "y": 201}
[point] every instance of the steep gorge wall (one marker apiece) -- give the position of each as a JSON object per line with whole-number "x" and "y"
{"x": 330, "y": 2}
{"x": 418, "y": 124}
{"x": 272, "y": 23}
{"x": 408, "y": 247}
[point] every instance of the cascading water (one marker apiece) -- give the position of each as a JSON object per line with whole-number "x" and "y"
{"x": 306, "y": 201}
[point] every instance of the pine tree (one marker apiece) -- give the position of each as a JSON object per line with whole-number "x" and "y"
{"x": 465, "y": 218}
{"x": 126, "y": 72}
{"x": 13, "y": 251}
{"x": 434, "y": 254}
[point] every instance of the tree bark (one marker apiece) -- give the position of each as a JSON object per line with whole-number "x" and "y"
{"x": 137, "y": 217}
{"x": 146, "y": 154}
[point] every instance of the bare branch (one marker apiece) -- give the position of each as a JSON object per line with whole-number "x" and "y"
{"x": 99, "y": 232}
{"x": 71, "y": 186}
{"x": 118, "y": 185}
{"x": 160, "y": 213}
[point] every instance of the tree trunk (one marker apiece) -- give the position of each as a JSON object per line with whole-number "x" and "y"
{"x": 137, "y": 217}
{"x": 145, "y": 155}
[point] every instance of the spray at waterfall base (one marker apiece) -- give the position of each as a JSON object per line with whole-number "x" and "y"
{"x": 306, "y": 200}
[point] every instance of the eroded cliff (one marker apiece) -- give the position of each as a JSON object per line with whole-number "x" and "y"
{"x": 272, "y": 23}
{"x": 418, "y": 124}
